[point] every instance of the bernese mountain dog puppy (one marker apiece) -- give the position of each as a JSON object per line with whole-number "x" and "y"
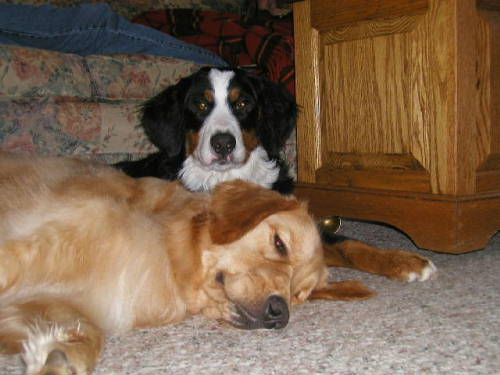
{"x": 216, "y": 125}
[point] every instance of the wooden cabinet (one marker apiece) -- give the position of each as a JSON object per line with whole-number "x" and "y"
{"x": 400, "y": 118}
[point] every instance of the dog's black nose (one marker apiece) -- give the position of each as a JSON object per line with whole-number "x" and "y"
{"x": 276, "y": 313}
{"x": 223, "y": 143}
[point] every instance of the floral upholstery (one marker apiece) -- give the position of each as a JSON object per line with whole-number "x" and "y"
{"x": 62, "y": 104}
{"x": 55, "y": 103}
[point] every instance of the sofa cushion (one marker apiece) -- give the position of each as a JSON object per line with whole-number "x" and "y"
{"x": 134, "y": 76}
{"x": 62, "y": 104}
{"x": 28, "y": 72}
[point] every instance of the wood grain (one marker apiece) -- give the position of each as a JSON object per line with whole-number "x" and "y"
{"x": 488, "y": 175}
{"x": 326, "y": 15}
{"x": 379, "y": 178}
{"x": 441, "y": 223}
{"x": 363, "y": 30}
{"x": 473, "y": 95}
{"x": 360, "y": 169}
{"x": 433, "y": 85}
{"x": 491, "y": 5}
{"x": 393, "y": 89}
{"x": 366, "y": 100}
{"x": 307, "y": 93}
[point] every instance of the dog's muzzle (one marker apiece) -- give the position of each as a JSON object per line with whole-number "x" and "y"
{"x": 274, "y": 315}
{"x": 223, "y": 144}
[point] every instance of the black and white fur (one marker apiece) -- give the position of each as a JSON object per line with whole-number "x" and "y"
{"x": 216, "y": 125}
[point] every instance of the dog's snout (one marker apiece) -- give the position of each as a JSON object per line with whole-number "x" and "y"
{"x": 223, "y": 143}
{"x": 276, "y": 313}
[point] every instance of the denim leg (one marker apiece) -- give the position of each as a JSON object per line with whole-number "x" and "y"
{"x": 91, "y": 29}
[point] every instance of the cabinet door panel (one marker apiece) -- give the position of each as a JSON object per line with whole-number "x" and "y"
{"x": 400, "y": 117}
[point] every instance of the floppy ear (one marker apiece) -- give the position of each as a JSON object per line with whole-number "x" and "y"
{"x": 162, "y": 118}
{"x": 343, "y": 291}
{"x": 239, "y": 206}
{"x": 277, "y": 114}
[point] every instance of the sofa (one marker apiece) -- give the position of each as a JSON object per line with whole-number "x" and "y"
{"x": 54, "y": 103}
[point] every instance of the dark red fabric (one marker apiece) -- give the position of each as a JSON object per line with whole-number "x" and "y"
{"x": 263, "y": 47}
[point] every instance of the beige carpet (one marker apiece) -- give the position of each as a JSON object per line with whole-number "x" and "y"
{"x": 450, "y": 325}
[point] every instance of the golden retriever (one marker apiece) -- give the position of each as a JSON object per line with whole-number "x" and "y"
{"x": 86, "y": 251}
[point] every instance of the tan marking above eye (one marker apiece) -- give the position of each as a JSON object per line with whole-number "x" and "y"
{"x": 234, "y": 95}
{"x": 209, "y": 95}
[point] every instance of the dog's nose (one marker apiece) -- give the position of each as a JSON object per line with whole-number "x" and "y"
{"x": 276, "y": 313}
{"x": 223, "y": 143}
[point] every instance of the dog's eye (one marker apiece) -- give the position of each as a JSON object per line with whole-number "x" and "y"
{"x": 219, "y": 277}
{"x": 241, "y": 105}
{"x": 202, "y": 106}
{"x": 280, "y": 246}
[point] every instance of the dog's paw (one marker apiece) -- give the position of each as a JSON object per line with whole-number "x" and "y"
{"x": 58, "y": 364}
{"x": 424, "y": 274}
{"x": 408, "y": 266}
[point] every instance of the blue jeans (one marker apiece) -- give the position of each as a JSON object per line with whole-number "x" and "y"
{"x": 89, "y": 30}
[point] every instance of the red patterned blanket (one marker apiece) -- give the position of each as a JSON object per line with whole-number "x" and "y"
{"x": 264, "y": 46}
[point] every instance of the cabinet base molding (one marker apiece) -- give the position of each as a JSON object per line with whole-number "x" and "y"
{"x": 443, "y": 223}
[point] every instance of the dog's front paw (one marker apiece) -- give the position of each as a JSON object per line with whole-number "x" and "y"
{"x": 408, "y": 266}
{"x": 424, "y": 274}
{"x": 58, "y": 364}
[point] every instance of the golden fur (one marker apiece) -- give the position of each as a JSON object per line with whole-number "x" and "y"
{"x": 86, "y": 251}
